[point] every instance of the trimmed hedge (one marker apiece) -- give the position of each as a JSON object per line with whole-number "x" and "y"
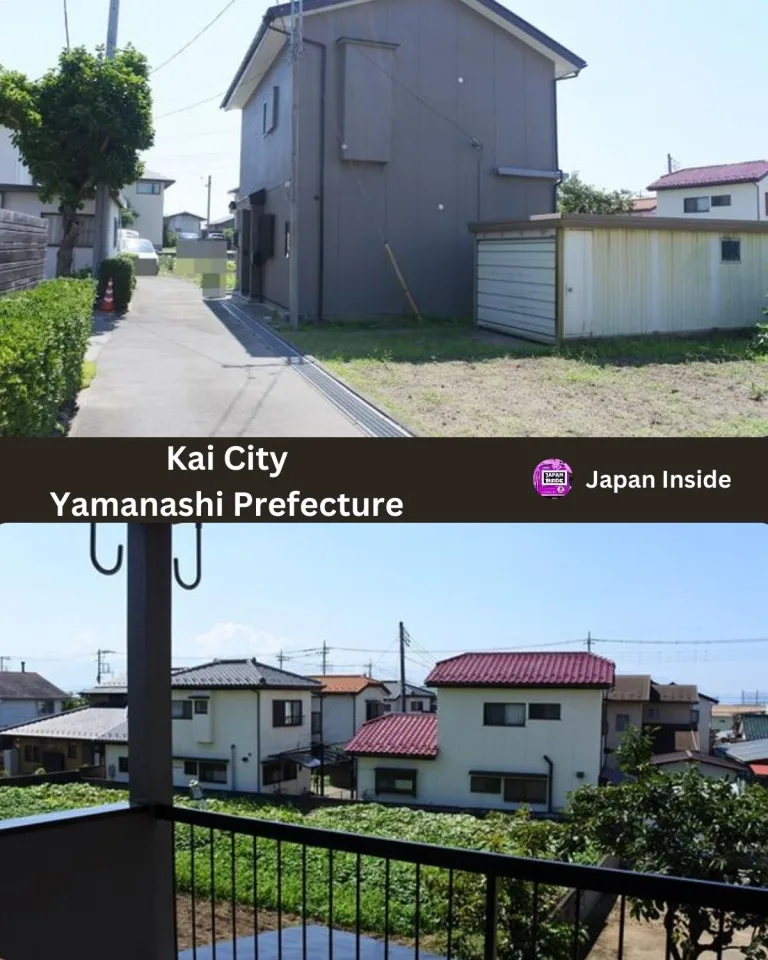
{"x": 43, "y": 338}
{"x": 123, "y": 273}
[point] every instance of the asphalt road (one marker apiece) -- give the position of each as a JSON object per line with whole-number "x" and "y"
{"x": 173, "y": 368}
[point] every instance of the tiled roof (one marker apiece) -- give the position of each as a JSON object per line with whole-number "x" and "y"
{"x": 644, "y": 204}
{"x": 105, "y": 724}
{"x": 411, "y": 690}
{"x": 154, "y": 175}
{"x": 755, "y": 727}
{"x": 523, "y": 670}
{"x": 692, "y": 756}
{"x": 397, "y": 735}
{"x": 345, "y": 682}
{"x": 674, "y": 693}
{"x": 759, "y": 769}
{"x": 240, "y": 674}
{"x": 724, "y": 173}
{"x": 630, "y": 686}
{"x": 737, "y": 709}
{"x": 21, "y": 685}
{"x": 748, "y": 751}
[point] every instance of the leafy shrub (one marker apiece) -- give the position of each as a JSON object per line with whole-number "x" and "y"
{"x": 85, "y": 273}
{"x": 761, "y": 337}
{"x": 122, "y": 272}
{"x": 43, "y": 338}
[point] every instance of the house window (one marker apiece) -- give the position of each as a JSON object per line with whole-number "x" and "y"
{"x": 653, "y": 713}
{"x": 148, "y": 186}
{"x": 181, "y": 709}
{"x": 190, "y": 768}
{"x": 287, "y": 241}
{"x": 373, "y": 709}
{"x": 390, "y": 780}
{"x": 417, "y": 706}
{"x": 695, "y": 716}
{"x": 45, "y": 706}
{"x": 212, "y": 772}
{"x": 504, "y": 714}
{"x": 287, "y": 713}
{"x": 269, "y": 111}
{"x": 622, "y": 722}
{"x": 724, "y": 200}
{"x": 543, "y": 711}
{"x": 525, "y": 789}
{"x": 730, "y": 251}
{"x": 86, "y": 234}
{"x": 317, "y": 725}
{"x": 201, "y": 707}
{"x": 696, "y": 205}
{"x": 485, "y": 784}
{"x": 387, "y": 708}
{"x": 72, "y": 751}
{"x": 122, "y": 764}
{"x": 278, "y": 771}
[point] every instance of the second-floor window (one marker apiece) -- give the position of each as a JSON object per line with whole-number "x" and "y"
{"x": 622, "y": 722}
{"x": 504, "y": 714}
{"x": 317, "y": 724}
{"x": 723, "y": 200}
{"x": 45, "y": 706}
{"x": 695, "y": 716}
{"x": 181, "y": 709}
{"x": 148, "y": 186}
{"x": 543, "y": 711}
{"x": 696, "y": 205}
{"x": 287, "y": 713}
{"x": 373, "y": 709}
{"x": 417, "y": 706}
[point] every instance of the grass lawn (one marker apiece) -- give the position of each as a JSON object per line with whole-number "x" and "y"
{"x": 448, "y": 379}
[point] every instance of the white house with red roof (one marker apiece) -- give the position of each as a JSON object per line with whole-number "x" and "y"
{"x": 731, "y": 191}
{"x": 511, "y": 730}
{"x": 343, "y": 704}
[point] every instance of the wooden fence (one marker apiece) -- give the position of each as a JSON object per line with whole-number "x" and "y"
{"x": 23, "y": 242}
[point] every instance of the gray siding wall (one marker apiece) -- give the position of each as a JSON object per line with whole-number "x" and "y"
{"x": 23, "y": 243}
{"x": 13, "y": 712}
{"x": 455, "y": 77}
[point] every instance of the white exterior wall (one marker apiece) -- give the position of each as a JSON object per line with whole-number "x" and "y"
{"x": 149, "y": 210}
{"x": 183, "y": 223}
{"x": 747, "y": 201}
{"x": 12, "y": 169}
{"x": 344, "y": 714}
{"x": 574, "y": 744}
{"x": 620, "y": 282}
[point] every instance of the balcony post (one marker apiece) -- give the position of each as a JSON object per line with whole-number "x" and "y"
{"x": 150, "y": 750}
{"x": 491, "y": 916}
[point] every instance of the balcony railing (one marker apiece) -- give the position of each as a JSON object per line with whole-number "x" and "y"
{"x": 274, "y": 890}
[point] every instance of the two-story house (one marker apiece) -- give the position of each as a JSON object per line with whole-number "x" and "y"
{"x": 731, "y": 191}
{"x": 146, "y": 198}
{"x": 678, "y": 715}
{"x": 342, "y": 704}
{"x": 26, "y": 696}
{"x": 417, "y": 699}
{"x": 416, "y": 118}
{"x": 511, "y": 730}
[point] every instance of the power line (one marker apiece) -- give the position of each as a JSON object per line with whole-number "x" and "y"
{"x": 196, "y": 37}
{"x": 191, "y": 106}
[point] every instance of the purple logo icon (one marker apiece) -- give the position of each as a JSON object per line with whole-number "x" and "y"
{"x": 552, "y": 478}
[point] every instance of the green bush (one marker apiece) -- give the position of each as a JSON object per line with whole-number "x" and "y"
{"x": 123, "y": 273}
{"x": 85, "y": 273}
{"x": 43, "y": 338}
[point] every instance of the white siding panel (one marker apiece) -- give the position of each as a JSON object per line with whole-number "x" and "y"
{"x": 516, "y": 287}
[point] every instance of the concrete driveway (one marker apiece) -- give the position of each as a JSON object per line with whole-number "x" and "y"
{"x": 172, "y": 367}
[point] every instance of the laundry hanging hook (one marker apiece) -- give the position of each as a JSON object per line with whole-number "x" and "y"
{"x": 199, "y": 560}
{"x": 107, "y": 571}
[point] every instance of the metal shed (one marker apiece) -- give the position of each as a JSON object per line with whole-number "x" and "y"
{"x": 575, "y": 276}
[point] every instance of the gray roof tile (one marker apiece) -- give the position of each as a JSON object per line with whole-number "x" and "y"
{"x": 106, "y": 724}
{"x": 18, "y": 685}
{"x": 240, "y": 674}
{"x": 748, "y": 751}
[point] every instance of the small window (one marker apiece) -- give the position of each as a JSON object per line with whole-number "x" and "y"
{"x": 485, "y": 784}
{"x": 694, "y": 716}
{"x": 525, "y": 789}
{"x": 653, "y": 713}
{"x": 543, "y": 711}
{"x": 373, "y": 709}
{"x": 696, "y": 205}
{"x": 622, "y": 722}
{"x": 264, "y": 118}
{"x": 387, "y": 708}
{"x": 147, "y": 186}
{"x": 122, "y": 764}
{"x": 730, "y": 251}
{"x": 724, "y": 200}
{"x": 278, "y": 771}
{"x": 201, "y": 707}
{"x": 181, "y": 709}
{"x": 287, "y": 242}
{"x": 45, "y": 706}
{"x": 504, "y": 714}
{"x": 269, "y": 111}
{"x": 72, "y": 751}
{"x": 287, "y": 713}
{"x": 190, "y": 768}
{"x": 417, "y": 706}
{"x": 390, "y": 780}
{"x": 212, "y": 772}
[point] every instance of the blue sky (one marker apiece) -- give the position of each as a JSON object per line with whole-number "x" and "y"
{"x": 456, "y": 587}
{"x": 685, "y": 79}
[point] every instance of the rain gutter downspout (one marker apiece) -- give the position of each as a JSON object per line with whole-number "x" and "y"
{"x": 321, "y": 195}
{"x": 549, "y": 782}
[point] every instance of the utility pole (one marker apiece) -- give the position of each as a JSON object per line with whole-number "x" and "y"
{"x": 102, "y": 209}
{"x": 297, "y": 41}
{"x": 589, "y": 642}
{"x": 2, "y": 663}
{"x": 325, "y": 658}
{"x": 102, "y": 666}
{"x": 404, "y": 642}
{"x": 669, "y": 163}
{"x": 369, "y": 669}
{"x": 280, "y": 659}
{"x": 208, "y": 218}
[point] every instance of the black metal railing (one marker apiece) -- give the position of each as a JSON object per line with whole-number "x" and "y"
{"x": 274, "y": 888}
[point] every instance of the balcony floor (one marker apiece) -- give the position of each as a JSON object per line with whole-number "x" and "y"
{"x": 317, "y": 947}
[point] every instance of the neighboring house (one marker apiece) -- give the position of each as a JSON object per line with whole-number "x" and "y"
{"x": 417, "y": 118}
{"x": 732, "y": 191}
{"x": 343, "y": 704}
{"x": 719, "y": 768}
{"x": 26, "y": 696}
{"x": 184, "y": 222}
{"x": 146, "y": 198}
{"x": 237, "y": 725}
{"x": 677, "y": 714}
{"x": 19, "y": 193}
{"x": 107, "y": 695}
{"x": 417, "y": 699}
{"x": 644, "y": 206}
{"x": 511, "y": 730}
{"x": 67, "y": 741}
{"x": 753, "y": 726}
{"x": 223, "y": 223}
{"x": 752, "y": 753}
{"x": 726, "y": 717}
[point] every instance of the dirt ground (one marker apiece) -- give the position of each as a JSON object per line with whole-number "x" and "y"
{"x": 244, "y": 921}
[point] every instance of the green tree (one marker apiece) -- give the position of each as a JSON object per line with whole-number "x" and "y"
{"x": 128, "y": 216}
{"x": 170, "y": 237}
{"x": 635, "y": 751}
{"x": 575, "y": 196}
{"x": 684, "y": 825}
{"x": 80, "y": 126}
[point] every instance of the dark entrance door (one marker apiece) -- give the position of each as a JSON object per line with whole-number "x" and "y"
{"x": 245, "y": 254}
{"x": 53, "y": 761}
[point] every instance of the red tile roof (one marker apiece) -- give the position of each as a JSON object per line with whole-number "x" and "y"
{"x": 749, "y": 172}
{"x": 345, "y": 683}
{"x": 759, "y": 769}
{"x": 397, "y": 735}
{"x": 523, "y": 670}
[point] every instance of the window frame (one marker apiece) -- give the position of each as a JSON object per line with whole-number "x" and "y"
{"x": 495, "y": 704}
{"x": 192, "y": 772}
{"x": 392, "y": 774}
{"x": 284, "y": 717}
{"x": 551, "y": 707}
{"x": 122, "y": 764}
{"x": 475, "y": 781}
{"x": 721, "y": 200}
{"x": 373, "y": 709}
{"x": 529, "y": 778}
{"x": 417, "y": 706}
{"x": 620, "y": 718}
{"x": 185, "y": 709}
{"x": 288, "y": 770}
{"x": 698, "y": 201}
{"x": 198, "y": 708}
{"x": 734, "y": 243}
{"x": 155, "y": 188}
{"x": 202, "y": 764}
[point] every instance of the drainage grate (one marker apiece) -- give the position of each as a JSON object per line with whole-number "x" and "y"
{"x": 373, "y": 421}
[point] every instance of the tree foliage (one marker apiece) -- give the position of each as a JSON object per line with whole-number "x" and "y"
{"x": 635, "y": 752}
{"x": 128, "y": 216}
{"x": 79, "y": 127}
{"x": 575, "y": 196}
{"x": 685, "y": 825}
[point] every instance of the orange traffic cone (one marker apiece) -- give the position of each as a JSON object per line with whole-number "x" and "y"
{"x": 108, "y": 303}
